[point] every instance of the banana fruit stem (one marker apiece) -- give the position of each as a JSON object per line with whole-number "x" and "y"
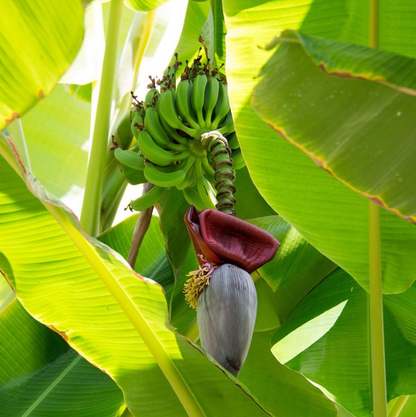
{"x": 140, "y": 230}
{"x": 217, "y": 147}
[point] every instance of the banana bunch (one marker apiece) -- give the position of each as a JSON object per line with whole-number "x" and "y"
{"x": 168, "y": 125}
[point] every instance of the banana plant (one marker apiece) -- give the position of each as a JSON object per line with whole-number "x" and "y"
{"x": 251, "y": 138}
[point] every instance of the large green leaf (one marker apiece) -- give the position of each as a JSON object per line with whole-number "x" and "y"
{"x": 38, "y": 384}
{"x": 326, "y": 338}
{"x": 113, "y": 317}
{"x": 329, "y": 215}
{"x": 350, "y": 124}
{"x": 56, "y": 131}
{"x": 279, "y": 388}
{"x": 38, "y": 41}
{"x": 295, "y": 257}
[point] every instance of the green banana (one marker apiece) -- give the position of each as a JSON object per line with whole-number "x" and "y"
{"x": 124, "y": 133}
{"x": 189, "y": 180}
{"x": 198, "y": 97}
{"x": 238, "y": 160}
{"x": 147, "y": 200}
{"x": 183, "y": 102}
{"x": 151, "y": 97}
{"x": 167, "y": 110}
{"x": 193, "y": 198}
{"x": 222, "y": 107}
{"x": 206, "y": 192}
{"x": 137, "y": 120}
{"x": 209, "y": 171}
{"x": 172, "y": 132}
{"x": 211, "y": 98}
{"x": 154, "y": 127}
{"x": 130, "y": 159}
{"x": 228, "y": 125}
{"x": 154, "y": 153}
{"x": 167, "y": 176}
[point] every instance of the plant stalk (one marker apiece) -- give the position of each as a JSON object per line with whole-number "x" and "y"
{"x": 142, "y": 226}
{"x": 378, "y": 360}
{"x": 91, "y": 208}
{"x": 378, "y": 367}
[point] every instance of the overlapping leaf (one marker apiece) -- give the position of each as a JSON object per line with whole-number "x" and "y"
{"x": 279, "y": 388}
{"x": 42, "y": 376}
{"x": 329, "y": 215}
{"x": 326, "y": 339}
{"x": 350, "y": 123}
{"x": 114, "y": 318}
{"x": 38, "y": 41}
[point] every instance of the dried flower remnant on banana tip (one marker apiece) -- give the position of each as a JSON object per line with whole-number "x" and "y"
{"x": 228, "y": 250}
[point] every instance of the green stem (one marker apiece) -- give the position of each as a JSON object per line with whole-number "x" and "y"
{"x": 378, "y": 361}
{"x": 398, "y": 405}
{"x": 113, "y": 191}
{"x": 91, "y": 208}
{"x": 378, "y": 369}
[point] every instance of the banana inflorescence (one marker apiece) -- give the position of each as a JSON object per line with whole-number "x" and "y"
{"x": 172, "y": 126}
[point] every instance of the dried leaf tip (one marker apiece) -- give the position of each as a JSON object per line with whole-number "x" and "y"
{"x": 198, "y": 281}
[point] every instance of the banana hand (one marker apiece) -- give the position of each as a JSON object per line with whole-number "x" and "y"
{"x": 167, "y": 110}
{"x": 155, "y": 128}
{"x": 155, "y": 153}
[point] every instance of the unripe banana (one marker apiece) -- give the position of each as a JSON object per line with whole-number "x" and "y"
{"x": 211, "y": 98}
{"x": 155, "y": 153}
{"x": 147, "y": 200}
{"x": 222, "y": 107}
{"x": 172, "y": 132}
{"x": 226, "y": 315}
{"x": 183, "y": 102}
{"x": 189, "y": 180}
{"x": 193, "y": 198}
{"x": 151, "y": 97}
{"x": 228, "y": 125}
{"x": 208, "y": 170}
{"x": 166, "y": 176}
{"x": 124, "y": 132}
{"x": 154, "y": 127}
{"x": 238, "y": 159}
{"x": 167, "y": 110}
{"x": 137, "y": 120}
{"x": 130, "y": 159}
{"x": 206, "y": 192}
{"x": 198, "y": 97}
